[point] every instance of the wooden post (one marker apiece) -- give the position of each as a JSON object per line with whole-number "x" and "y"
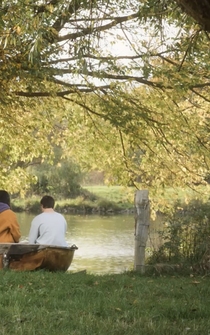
{"x": 142, "y": 222}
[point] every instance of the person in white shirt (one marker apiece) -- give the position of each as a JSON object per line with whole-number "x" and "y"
{"x": 49, "y": 227}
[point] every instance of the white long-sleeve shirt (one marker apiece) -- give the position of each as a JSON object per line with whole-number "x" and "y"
{"x": 48, "y": 228}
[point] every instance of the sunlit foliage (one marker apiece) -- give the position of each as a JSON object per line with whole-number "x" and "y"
{"x": 121, "y": 85}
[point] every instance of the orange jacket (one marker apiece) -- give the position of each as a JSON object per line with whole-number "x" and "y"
{"x": 9, "y": 227}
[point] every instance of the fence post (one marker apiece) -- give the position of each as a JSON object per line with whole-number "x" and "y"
{"x": 142, "y": 222}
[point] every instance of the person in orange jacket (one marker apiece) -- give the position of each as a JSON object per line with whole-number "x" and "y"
{"x": 9, "y": 227}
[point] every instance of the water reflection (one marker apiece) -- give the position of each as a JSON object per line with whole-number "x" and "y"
{"x": 105, "y": 244}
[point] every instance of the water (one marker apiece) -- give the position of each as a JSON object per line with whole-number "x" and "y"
{"x": 105, "y": 243}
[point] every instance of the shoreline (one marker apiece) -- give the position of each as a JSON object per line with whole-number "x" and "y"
{"x": 113, "y": 209}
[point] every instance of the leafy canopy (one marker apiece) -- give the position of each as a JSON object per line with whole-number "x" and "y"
{"x": 122, "y": 85}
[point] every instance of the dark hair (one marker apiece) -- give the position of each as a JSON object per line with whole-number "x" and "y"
{"x": 4, "y": 197}
{"x": 47, "y": 201}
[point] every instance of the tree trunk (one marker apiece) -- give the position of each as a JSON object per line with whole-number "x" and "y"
{"x": 199, "y": 10}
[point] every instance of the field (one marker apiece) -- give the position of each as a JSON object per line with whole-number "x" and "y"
{"x": 160, "y": 199}
{"x": 41, "y": 303}
{"x": 117, "y": 194}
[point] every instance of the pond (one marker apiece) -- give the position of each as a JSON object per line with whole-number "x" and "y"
{"x": 105, "y": 243}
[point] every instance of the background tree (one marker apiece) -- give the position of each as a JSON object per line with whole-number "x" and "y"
{"x": 63, "y": 177}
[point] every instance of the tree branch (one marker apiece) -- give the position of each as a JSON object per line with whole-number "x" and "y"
{"x": 91, "y": 30}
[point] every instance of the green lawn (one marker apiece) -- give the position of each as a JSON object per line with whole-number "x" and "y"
{"x": 168, "y": 196}
{"x": 41, "y": 303}
{"x": 118, "y": 194}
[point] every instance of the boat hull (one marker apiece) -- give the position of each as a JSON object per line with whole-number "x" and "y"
{"x": 29, "y": 257}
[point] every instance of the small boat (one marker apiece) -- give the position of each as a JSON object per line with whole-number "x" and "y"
{"x": 28, "y": 257}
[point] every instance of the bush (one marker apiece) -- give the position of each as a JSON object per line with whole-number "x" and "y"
{"x": 32, "y": 206}
{"x": 186, "y": 238}
{"x": 106, "y": 205}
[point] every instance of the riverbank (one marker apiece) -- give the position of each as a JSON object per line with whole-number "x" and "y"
{"x": 105, "y": 200}
{"x": 77, "y": 304}
{"x": 92, "y": 200}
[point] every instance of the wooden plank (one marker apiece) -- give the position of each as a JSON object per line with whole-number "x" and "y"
{"x": 141, "y": 228}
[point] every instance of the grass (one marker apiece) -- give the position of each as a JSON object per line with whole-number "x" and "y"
{"x": 169, "y": 196}
{"x": 117, "y": 194}
{"x": 43, "y": 303}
